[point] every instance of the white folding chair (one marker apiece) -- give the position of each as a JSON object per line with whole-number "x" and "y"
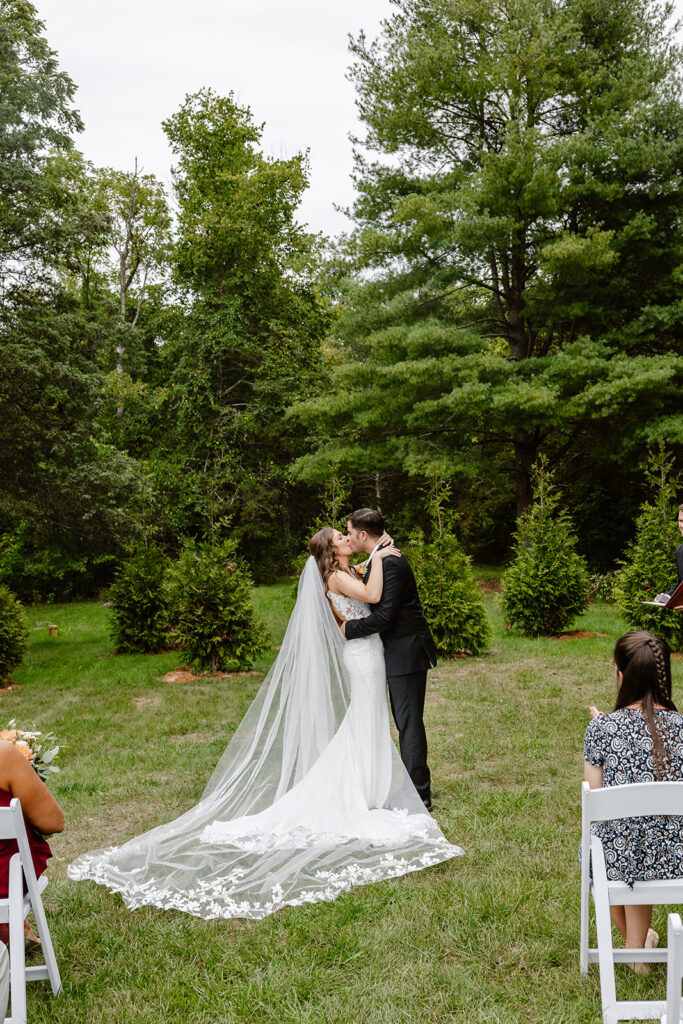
{"x": 15, "y": 908}
{"x": 634, "y": 801}
{"x": 674, "y": 971}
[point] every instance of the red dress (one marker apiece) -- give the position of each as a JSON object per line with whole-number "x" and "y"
{"x": 40, "y": 851}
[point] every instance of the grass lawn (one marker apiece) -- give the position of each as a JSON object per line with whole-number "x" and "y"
{"x": 489, "y": 937}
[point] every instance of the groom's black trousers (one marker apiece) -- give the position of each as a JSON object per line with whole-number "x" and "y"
{"x": 407, "y": 696}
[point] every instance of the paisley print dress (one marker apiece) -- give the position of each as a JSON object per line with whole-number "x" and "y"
{"x": 620, "y": 743}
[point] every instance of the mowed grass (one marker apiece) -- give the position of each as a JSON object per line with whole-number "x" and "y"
{"x": 489, "y": 937}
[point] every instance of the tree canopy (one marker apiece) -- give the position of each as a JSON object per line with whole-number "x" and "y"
{"x": 512, "y": 283}
{"x": 201, "y": 368}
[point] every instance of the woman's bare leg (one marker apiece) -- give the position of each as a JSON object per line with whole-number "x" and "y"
{"x": 637, "y": 923}
{"x": 619, "y": 919}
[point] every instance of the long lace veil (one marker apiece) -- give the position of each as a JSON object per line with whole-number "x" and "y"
{"x": 296, "y": 712}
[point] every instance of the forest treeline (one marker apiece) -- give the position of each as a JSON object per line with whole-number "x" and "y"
{"x": 200, "y": 365}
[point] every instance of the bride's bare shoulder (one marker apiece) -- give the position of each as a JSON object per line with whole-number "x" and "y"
{"x": 335, "y": 581}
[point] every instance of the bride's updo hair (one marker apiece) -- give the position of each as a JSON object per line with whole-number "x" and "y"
{"x": 323, "y": 550}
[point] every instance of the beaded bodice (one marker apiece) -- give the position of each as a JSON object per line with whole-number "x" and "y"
{"x": 348, "y": 607}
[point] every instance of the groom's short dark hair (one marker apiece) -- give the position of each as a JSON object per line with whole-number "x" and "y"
{"x": 368, "y": 519}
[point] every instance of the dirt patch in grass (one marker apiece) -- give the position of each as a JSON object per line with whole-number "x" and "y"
{"x": 490, "y": 585}
{"x": 192, "y": 737}
{"x": 146, "y": 702}
{"x": 182, "y": 675}
{"x": 578, "y": 634}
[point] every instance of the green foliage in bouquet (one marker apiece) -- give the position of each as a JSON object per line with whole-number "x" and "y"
{"x": 139, "y": 617}
{"x": 450, "y": 596}
{"x": 547, "y": 584}
{"x": 650, "y": 564}
{"x": 208, "y": 594}
{"x": 41, "y": 749}
{"x": 13, "y": 633}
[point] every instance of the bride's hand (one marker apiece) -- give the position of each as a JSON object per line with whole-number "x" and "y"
{"x": 385, "y": 552}
{"x": 386, "y": 539}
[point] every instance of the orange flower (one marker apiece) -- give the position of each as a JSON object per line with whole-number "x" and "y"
{"x": 8, "y": 734}
{"x": 23, "y": 746}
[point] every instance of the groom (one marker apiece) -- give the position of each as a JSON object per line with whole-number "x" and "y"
{"x": 409, "y": 649}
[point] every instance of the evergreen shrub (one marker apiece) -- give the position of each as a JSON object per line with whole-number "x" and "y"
{"x": 649, "y": 567}
{"x": 449, "y": 593}
{"x": 450, "y": 596}
{"x": 208, "y": 595}
{"x": 138, "y": 607}
{"x": 13, "y": 633}
{"x": 602, "y": 586}
{"x": 547, "y": 583}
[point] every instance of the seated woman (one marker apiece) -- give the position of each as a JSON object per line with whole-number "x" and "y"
{"x": 42, "y": 814}
{"x": 640, "y": 741}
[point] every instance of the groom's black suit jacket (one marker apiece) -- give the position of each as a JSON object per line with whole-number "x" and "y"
{"x": 397, "y": 617}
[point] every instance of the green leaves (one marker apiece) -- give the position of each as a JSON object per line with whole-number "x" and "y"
{"x": 246, "y": 342}
{"x": 36, "y": 117}
{"x": 13, "y": 633}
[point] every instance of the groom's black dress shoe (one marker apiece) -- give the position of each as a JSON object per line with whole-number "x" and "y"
{"x": 428, "y": 805}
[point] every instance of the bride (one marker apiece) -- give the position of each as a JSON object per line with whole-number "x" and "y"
{"x": 310, "y": 797}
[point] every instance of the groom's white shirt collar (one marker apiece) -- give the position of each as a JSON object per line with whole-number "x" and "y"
{"x": 373, "y": 550}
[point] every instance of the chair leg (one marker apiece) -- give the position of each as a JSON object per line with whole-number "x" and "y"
{"x": 4, "y": 980}
{"x": 16, "y": 941}
{"x": 584, "y": 937}
{"x": 47, "y": 947}
{"x": 608, "y": 990}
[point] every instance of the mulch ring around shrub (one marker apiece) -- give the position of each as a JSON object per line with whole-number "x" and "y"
{"x": 183, "y": 675}
{"x": 489, "y": 584}
{"x": 578, "y": 634}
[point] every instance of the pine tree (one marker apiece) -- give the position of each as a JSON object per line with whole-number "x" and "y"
{"x": 650, "y": 564}
{"x": 547, "y": 584}
{"x": 512, "y": 283}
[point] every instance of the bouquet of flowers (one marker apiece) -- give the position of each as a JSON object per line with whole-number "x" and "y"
{"x": 40, "y": 749}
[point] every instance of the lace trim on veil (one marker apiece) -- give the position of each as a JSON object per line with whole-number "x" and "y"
{"x": 220, "y": 898}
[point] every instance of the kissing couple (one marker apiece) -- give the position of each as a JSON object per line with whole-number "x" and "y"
{"x": 310, "y": 797}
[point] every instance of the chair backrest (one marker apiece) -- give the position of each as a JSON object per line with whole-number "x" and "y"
{"x": 636, "y": 800}
{"x": 8, "y": 825}
{"x": 13, "y": 826}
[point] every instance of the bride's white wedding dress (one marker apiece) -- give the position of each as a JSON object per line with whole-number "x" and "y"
{"x": 309, "y": 799}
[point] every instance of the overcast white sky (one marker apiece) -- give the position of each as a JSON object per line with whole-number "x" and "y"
{"x": 134, "y": 61}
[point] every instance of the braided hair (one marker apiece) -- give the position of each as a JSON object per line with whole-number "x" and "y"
{"x": 645, "y": 663}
